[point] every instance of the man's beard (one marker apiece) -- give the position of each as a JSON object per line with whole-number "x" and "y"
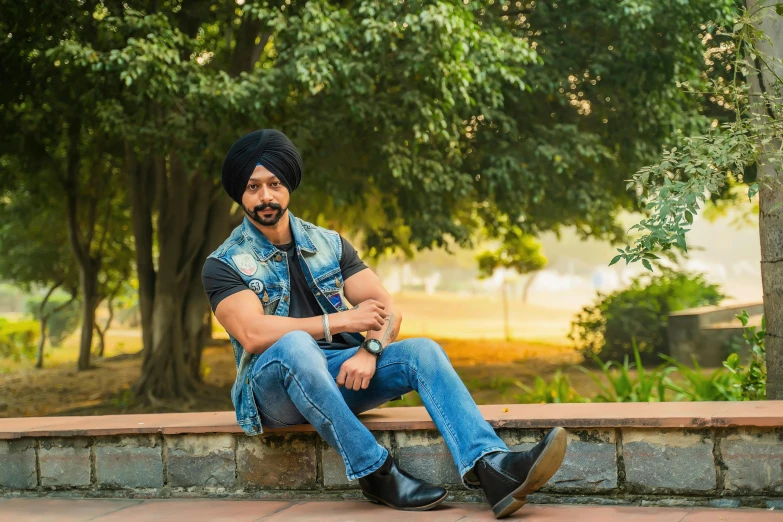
{"x": 256, "y": 216}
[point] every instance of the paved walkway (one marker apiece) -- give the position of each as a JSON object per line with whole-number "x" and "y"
{"x": 116, "y": 510}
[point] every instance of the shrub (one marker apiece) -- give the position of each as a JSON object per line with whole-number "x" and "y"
{"x": 699, "y": 387}
{"x": 18, "y": 339}
{"x": 60, "y": 324}
{"x": 647, "y": 386}
{"x": 750, "y": 382}
{"x": 558, "y": 390}
{"x": 734, "y": 382}
{"x": 640, "y": 311}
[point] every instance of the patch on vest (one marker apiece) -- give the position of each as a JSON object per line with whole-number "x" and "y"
{"x": 245, "y": 263}
{"x": 256, "y": 286}
{"x": 336, "y": 300}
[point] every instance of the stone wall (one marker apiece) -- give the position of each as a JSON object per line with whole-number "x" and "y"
{"x": 709, "y": 333}
{"x": 728, "y": 467}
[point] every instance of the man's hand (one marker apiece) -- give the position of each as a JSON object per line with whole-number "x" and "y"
{"x": 367, "y": 315}
{"x": 356, "y": 372}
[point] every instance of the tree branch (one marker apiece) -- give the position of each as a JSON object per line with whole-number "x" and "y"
{"x": 41, "y": 315}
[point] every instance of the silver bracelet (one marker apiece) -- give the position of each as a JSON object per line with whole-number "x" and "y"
{"x": 327, "y": 330}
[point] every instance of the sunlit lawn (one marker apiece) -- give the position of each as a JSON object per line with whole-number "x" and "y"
{"x": 470, "y": 331}
{"x": 117, "y": 342}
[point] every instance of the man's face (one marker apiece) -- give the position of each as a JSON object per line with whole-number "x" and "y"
{"x": 265, "y": 199}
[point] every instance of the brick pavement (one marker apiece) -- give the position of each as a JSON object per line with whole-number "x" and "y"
{"x": 117, "y": 510}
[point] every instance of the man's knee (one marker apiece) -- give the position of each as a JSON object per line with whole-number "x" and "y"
{"x": 428, "y": 351}
{"x": 297, "y": 348}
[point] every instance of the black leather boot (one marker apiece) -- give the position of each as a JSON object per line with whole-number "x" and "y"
{"x": 507, "y": 478}
{"x": 397, "y": 489}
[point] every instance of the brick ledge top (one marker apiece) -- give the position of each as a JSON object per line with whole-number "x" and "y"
{"x": 595, "y": 415}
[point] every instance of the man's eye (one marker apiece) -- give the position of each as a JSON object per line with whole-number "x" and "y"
{"x": 275, "y": 183}
{"x": 252, "y": 186}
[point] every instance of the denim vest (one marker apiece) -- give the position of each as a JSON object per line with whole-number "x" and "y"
{"x": 264, "y": 269}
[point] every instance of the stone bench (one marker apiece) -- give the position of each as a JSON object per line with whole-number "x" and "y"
{"x": 685, "y": 454}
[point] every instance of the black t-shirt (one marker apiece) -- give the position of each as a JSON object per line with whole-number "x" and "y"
{"x": 221, "y": 281}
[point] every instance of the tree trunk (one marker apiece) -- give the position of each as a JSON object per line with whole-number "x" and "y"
{"x": 141, "y": 180}
{"x": 101, "y": 339}
{"x": 41, "y": 344}
{"x": 192, "y": 218}
{"x": 88, "y": 280}
{"x": 163, "y": 374}
{"x": 43, "y": 317}
{"x": 110, "y": 305}
{"x": 89, "y": 266}
{"x": 506, "y": 325}
{"x": 771, "y": 194}
{"x": 198, "y": 313}
{"x": 188, "y": 217}
{"x": 531, "y": 278}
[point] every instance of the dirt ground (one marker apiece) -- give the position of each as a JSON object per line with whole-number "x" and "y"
{"x": 488, "y": 367}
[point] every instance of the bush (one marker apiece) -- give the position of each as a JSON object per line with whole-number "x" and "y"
{"x": 60, "y": 324}
{"x": 18, "y": 339}
{"x": 734, "y": 382}
{"x": 750, "y": 382}
{"x": 700, "y": 387}
{"x": 558, "y": 391}
{"x": 647, "y": 386}
{"x": 640, "y": 311}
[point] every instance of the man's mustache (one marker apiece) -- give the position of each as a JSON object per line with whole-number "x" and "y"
{"x": 273, "y": 206}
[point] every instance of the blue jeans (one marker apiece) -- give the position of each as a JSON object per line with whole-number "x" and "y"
{"x": 294, "y": 382}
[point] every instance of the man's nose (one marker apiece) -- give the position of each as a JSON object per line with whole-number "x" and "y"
{"x": 266, "y": 194}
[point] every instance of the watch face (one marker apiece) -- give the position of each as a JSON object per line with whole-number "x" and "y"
{"x": 373, "y": 346}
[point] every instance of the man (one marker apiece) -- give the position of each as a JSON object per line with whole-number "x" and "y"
{"x": 281, "y": 287}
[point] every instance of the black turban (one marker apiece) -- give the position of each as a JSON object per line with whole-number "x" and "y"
{"x": 267, "y": 147}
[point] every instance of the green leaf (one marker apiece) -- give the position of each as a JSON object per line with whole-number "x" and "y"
{"x": 647, "y": 265}
{"x": 779, "y": 9}
{"x": 615, "y": 259}
{"x": 681, "y": 243}
{"x": 689, "y": 217}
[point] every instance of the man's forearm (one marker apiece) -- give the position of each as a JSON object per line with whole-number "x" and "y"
{"x": 270, "y": 328}
{"x": 391, "y": 327}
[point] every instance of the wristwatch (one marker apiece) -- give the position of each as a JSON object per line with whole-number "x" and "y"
{"x": 373, "y": 346}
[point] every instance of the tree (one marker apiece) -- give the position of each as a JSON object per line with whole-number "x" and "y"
{"x": 747, "y": 149}
{"x": 54, "y": 148}
{"x": 520, "y": 253}
{"x": 437, "y": 118}
{"x": 33, "y": 264}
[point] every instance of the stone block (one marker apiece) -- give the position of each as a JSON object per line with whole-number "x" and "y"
{"x": 17, "y": 464}
{"x": 424, "y": 454}
{"x": 724, "y": 503}
{"x": 673, "y": 460}
{"x": 753, "y": 460}
{"x": 775, "y": 504}
{"x": 129, "y": 462}
{"x": 285, "y": 461}
{"x": 200, "y": 460}
{"x": 590, "y": 462}
{"x": 334, "y": 467}
{"x": 64, "y": 462}
{"x": 520, "y": 440}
